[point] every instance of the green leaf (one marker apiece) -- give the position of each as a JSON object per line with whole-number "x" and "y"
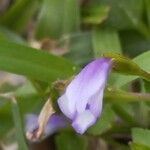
{"x": 104, "y": 123}
{"x": 123, "y": 110}
{"x": 26, "y": 96}
{"x": 125, "y": 14}
{"x": 147, "y": 5}
{"x": 18, "y": 16}
{"x": 95, "y": 14}
{"x": 141, "y": 60}
{"x": 18, "y": 125}
{"x": 135, "y": 146}
{"x": 80, "y": 48}
{"x": 146, "y": 86}
{"x": 9, "y": 35}
{"x": 141, "y": 136}
{"x": 105, "y": 40}
{"x": 58, "y": 17}
{"x": 33, "y": 63}
{"x": 70, "y": 141}
{"x": 134, "y": 43}
{"x": 125, "y": 65}
{"x": 50, "y": 19}
{"x": 71, "y": 16}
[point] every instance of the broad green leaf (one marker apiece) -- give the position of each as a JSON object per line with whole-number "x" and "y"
{"x": 105, "y": 40}
{"x": 95, "y": 14}
{"x": 70, "y": 141}
{"x": 104, "y": 123}
{"x": 141, "y": 136}
{"x": 143, "y": 61}
{"x": 18, "y": 16}
{"x": 33, "y": 63}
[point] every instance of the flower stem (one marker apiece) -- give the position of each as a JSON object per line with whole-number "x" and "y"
{"x": 119, "y": 95}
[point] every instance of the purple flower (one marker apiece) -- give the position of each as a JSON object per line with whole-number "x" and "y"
{"x": 83, "y": 98}
{"x": 55, "y": 123}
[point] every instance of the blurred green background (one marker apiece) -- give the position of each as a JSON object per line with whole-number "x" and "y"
{"x": 46, "y": 40}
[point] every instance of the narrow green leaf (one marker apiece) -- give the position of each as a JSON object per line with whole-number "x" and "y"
{"x": 33, "y": 63}
{"x": 50, "y": 19}
{"x": 18, "y": 126}
{"x": 147, "y": 5}
{"x": 58, "y": 17}
{"x": 115, "y": 95}
{"x": 19, "y": 14}
{"x": 71, "y": 16}
{"x": 9, "y": 35}
{"x": 105, "y": 40}
{"x": 95, "y": 14}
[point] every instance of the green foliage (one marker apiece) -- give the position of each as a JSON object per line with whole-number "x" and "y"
{"x": 57, "y": 18}
{"x": 141, "y": 138}
{"x": 142, "y": 60}
{"x": 77, "y": 31}
{"x": 70, "y": 141}
{"x": 32, "y": 63}
{"x": 104, "y": 123}
{"x": 19, "y": 15}
{"x": 105, "y": 40}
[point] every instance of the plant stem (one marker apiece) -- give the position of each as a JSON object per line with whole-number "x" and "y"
{"x": 119, "y": 95}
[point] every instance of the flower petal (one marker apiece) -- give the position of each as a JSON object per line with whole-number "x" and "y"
{"x": 68, "y": 110}
{"x": 55, "y": 123}
{"x": 90, "y": 80}
{"x": 31, "y": 123}
{"x": 83, "y": 121}
{"x": 96, "y": 103}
